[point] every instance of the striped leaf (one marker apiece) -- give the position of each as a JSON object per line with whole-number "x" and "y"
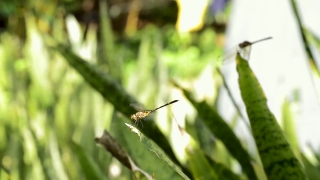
{"x": 277, "y": 157}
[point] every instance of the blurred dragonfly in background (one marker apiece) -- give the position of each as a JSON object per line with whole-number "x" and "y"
{"x": 242, "y": 48}
{"x": 141, "y": 114}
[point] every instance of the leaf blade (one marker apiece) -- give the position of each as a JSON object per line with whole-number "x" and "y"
{"x": 277, "y": 157}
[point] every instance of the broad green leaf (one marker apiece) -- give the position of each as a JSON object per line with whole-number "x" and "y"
{"x": 157, "y": 151}
{"x": 222, "y": 131}
{"x": 277, "y": 157}
{"x": 143, "y": 157}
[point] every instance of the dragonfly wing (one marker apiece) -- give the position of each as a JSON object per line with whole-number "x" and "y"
{"x": 245, "y": 52}
{"x": 229, "y": 55}
{"x": 136, "y": 106}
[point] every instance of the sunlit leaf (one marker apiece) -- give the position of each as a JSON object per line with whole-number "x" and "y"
{"x": 275, "y": 152}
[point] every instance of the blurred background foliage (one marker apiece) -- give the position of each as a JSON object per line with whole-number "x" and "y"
{"x": 50, "y": 114}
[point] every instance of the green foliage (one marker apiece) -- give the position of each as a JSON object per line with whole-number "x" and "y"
{"x": 275, "y": 152}
{"x": 199, "y": 165}
{"x": 88, "y": 166}
{"x": 56, "y": 98}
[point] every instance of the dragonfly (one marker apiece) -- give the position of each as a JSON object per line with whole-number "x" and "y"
{"x": 141, "y": 114}
{"x": 244, "y": 49}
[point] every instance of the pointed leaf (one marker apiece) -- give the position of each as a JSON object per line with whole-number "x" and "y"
{"x": 275, "y": 152}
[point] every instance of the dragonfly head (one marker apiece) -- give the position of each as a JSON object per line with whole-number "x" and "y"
{"x": 133, "y": 117}
{"x": 244, "y": 44}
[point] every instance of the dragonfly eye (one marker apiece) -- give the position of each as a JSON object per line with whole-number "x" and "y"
{"x": 244, "y": 44}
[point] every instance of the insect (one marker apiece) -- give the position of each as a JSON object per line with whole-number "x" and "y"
{"x": 243, "y": 49}
{"x": 141, "y": 114}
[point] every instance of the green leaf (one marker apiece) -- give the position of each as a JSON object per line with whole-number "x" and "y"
{"x": 107, "y": 55}
{"x": 157, "y": 151}
{"x": 277, "y": 157}
{"x": 259, "y": 171}
{"x": 289, "y": 127}
{"x": 222, "y": 131}
{"x": 205, "y": 140}
{"x": 145, "y": 160}
{"x": 312, "y": 171}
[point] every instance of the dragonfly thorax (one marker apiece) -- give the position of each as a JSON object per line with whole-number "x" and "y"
{"x": 133, "y": 117}
{"x": 140, "y": 115}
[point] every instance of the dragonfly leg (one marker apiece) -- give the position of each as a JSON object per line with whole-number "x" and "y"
{"x": 141, "y": 122}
